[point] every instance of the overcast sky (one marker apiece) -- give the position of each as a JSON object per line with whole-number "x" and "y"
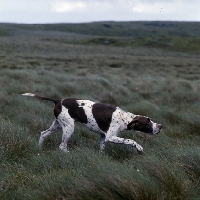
{"x": 67, "y": 11}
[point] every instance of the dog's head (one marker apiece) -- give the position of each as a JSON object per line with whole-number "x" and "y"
{"x": 144, "y": 124}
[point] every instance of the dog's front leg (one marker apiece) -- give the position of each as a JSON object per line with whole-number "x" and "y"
{"x": 102, "y": 142}
{"x": 119, "y": 140}
{"x": 53, "y": 128}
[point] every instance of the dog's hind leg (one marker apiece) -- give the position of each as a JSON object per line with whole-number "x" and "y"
{"x": 53, "y": 128}
{"x": 102, "y": 142}
{"x": 67, "y": 124}
{"x": 67, "y": 132}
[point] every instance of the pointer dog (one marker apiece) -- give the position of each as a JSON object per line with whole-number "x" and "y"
{"x": 107, "y": 120}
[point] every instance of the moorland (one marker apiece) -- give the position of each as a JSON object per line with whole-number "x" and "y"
{"x": 147, "y": 68}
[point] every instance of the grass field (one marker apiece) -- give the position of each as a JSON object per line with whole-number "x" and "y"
{"x": 155, "y": 72}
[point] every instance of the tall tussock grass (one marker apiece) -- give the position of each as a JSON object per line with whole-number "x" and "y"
{"x": 14, "y": 143}
{"x": 163, "y": 85}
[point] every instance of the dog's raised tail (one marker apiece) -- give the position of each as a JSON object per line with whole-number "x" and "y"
{"x": 41, "y": 98}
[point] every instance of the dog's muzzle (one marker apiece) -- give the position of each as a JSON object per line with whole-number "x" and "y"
{"x": 157, "y": 128}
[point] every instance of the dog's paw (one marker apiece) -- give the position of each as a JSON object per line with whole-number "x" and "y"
{"x": 139, "y": 148}
{"x": 64, "y": 149}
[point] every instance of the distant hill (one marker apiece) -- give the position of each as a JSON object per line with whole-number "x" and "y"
{"x": 178, "y": 36}
{"x": 115, "y": 29}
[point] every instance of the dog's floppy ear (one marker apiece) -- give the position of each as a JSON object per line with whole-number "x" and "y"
{"x": 132, "y": 124}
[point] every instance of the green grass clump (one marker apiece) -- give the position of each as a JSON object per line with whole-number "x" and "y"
{"x": 3, "y": 33}
{"x": 170, "y": 43}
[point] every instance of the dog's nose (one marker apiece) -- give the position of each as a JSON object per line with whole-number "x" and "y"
{"x": 159, "y": 126}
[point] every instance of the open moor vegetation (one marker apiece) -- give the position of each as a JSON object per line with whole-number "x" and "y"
{"x": 148, "y": 68}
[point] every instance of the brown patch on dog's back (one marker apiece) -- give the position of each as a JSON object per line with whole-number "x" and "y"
{"x": 76, "y": 112}
{"x": 103, "y": 115}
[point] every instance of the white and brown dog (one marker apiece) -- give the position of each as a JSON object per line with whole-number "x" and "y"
{"x": 107, "y": 120}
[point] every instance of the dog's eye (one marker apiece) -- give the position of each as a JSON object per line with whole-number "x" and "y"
{"x": 148, "y": 119}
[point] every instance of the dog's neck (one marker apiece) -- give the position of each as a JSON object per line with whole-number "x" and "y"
{"x": 126, "y": 117}
{"x": 130, "y": 117}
